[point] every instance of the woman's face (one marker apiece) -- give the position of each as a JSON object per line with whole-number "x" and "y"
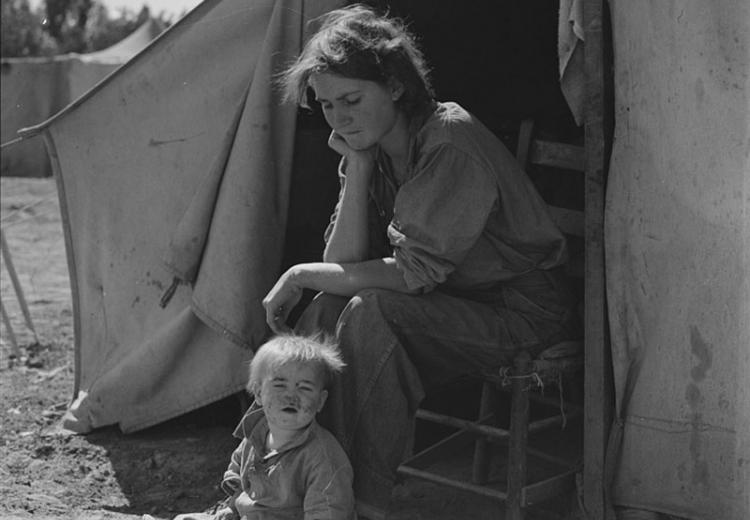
{"x": 364, "y": 113}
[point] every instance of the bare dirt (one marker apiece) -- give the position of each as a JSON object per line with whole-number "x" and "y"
{"x": 49, "y": 473}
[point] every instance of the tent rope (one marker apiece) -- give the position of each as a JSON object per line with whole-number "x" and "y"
{"x": 10, "y": 219}
{"x": 12, "y": 141}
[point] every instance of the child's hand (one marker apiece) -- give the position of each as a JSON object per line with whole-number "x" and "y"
{"x": 225, "y": 514}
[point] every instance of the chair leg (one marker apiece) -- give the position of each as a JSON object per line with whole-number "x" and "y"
{"x": 482, "y": 447}
{"x": 519, "y": 422}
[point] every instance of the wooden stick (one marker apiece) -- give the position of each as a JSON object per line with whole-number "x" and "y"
{"x": 17, "y": 284}
{"x": 9, "y": 328}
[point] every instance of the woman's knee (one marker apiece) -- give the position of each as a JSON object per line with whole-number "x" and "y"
{"x": 365, "y": 301}
{"x": 321, "y": 315}
{"x": 333, "y": 314}
{"x": 369, "y": 306}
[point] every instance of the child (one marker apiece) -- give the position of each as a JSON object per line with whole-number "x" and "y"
{"x": 287, "y": 466}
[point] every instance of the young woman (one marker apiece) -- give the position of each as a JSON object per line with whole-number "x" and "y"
{"x": 440, "y": 257}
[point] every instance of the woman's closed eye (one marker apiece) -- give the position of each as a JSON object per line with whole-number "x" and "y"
{"x": 347, "y": 102}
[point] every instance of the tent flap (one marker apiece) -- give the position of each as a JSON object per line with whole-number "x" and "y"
{"x": 134, "y": 156}
{"x": 186, "y": 247}
{"x": 36, "y": 88}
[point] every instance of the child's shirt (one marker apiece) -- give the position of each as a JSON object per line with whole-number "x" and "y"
{"x": 311, "y": 478}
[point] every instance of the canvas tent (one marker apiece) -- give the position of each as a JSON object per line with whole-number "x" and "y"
{"x": 34, "y": 89}
{"x": 185, "y": 155}
{"x": 678, "y": 256}
{"x": 148, "y": 170}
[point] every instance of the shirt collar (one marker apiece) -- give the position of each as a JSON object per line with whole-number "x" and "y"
{"x": 416, "y": 122}
{"x": 254, "y": 427}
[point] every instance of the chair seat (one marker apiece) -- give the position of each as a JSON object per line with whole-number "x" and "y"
{"x": 563, "y": 349}
{"x": 560, "y": 359}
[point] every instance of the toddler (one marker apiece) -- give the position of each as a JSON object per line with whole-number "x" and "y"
{"x": 287, "y": 466}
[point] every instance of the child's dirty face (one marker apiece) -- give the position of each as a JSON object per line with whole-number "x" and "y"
{"x": 292, "y": 394}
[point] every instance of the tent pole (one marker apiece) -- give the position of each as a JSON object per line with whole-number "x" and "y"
{"x": 9, "y": 328}
{"x": 54, "y": 160}
{"x": 17, "y": 287}
{"x": 598, "y": 393}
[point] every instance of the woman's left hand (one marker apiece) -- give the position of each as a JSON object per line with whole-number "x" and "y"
{"x": 280, "y": 300}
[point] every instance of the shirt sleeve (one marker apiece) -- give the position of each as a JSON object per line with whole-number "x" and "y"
{"x": 335, "y": 214}
{"x": 329, "y": 493}
{"x": 439, "y": 214}
{"x": 231, "y": 483}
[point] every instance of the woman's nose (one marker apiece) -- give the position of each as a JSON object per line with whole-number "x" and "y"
{"x": 341, "y": 118}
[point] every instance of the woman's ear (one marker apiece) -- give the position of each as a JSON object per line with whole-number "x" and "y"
{"x": 397, "y": 89}
{"x": 323, "y": 397}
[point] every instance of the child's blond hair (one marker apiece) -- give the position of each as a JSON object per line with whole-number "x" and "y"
{"x": 286, "y": 348}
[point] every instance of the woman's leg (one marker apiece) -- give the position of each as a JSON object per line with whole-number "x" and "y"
{"x": 395, "y": 346}
{"x": 321, "y": 315}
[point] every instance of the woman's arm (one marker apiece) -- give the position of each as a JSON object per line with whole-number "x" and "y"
{"x": 344, "y": 279}
{"x": 349, "y": 240}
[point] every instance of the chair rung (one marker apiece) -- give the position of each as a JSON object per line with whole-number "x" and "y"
{"x": 492, "y": 431}
{"x": 554, "y": 402}
{"x": 549, "y": 422}
{"x": 539, "y": 454}
{"x": 571, "y": 409}
{"x": 457, "y": 484}
{"x": 531, "y": 493}
{"x": 542, "y": 490}
{"x": 472, "y": 426}
{"x": 437, "y": 451}
{"x": 559, "y": 155}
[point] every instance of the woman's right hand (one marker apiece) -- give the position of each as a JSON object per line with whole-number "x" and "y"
{"x": 357, "y": 161}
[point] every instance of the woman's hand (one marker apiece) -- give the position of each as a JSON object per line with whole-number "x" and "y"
{"x": 358, "y": 162}
{"x": 280, "y": 300}
{"x": 338, "y": 144}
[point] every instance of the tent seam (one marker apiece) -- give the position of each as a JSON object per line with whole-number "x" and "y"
{"x": 232, "y": 336}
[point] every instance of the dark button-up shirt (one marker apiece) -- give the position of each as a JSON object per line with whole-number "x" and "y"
{"x": 464, "y": 214}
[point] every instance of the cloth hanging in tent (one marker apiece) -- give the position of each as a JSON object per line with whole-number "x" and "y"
{"x": 570, "y": 38}
{"x": 134, "y": 159}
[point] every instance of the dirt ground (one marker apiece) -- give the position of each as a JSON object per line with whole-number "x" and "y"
{"x": 46, "y": 472}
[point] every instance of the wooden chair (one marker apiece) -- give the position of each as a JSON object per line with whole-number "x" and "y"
{"x": 525, "y": 374}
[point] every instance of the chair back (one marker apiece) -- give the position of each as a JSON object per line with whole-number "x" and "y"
{"x": 560, "y": 167}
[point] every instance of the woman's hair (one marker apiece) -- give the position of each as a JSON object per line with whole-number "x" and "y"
{"x": 356, "y": 42}
{"x": 287, "y": 348}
